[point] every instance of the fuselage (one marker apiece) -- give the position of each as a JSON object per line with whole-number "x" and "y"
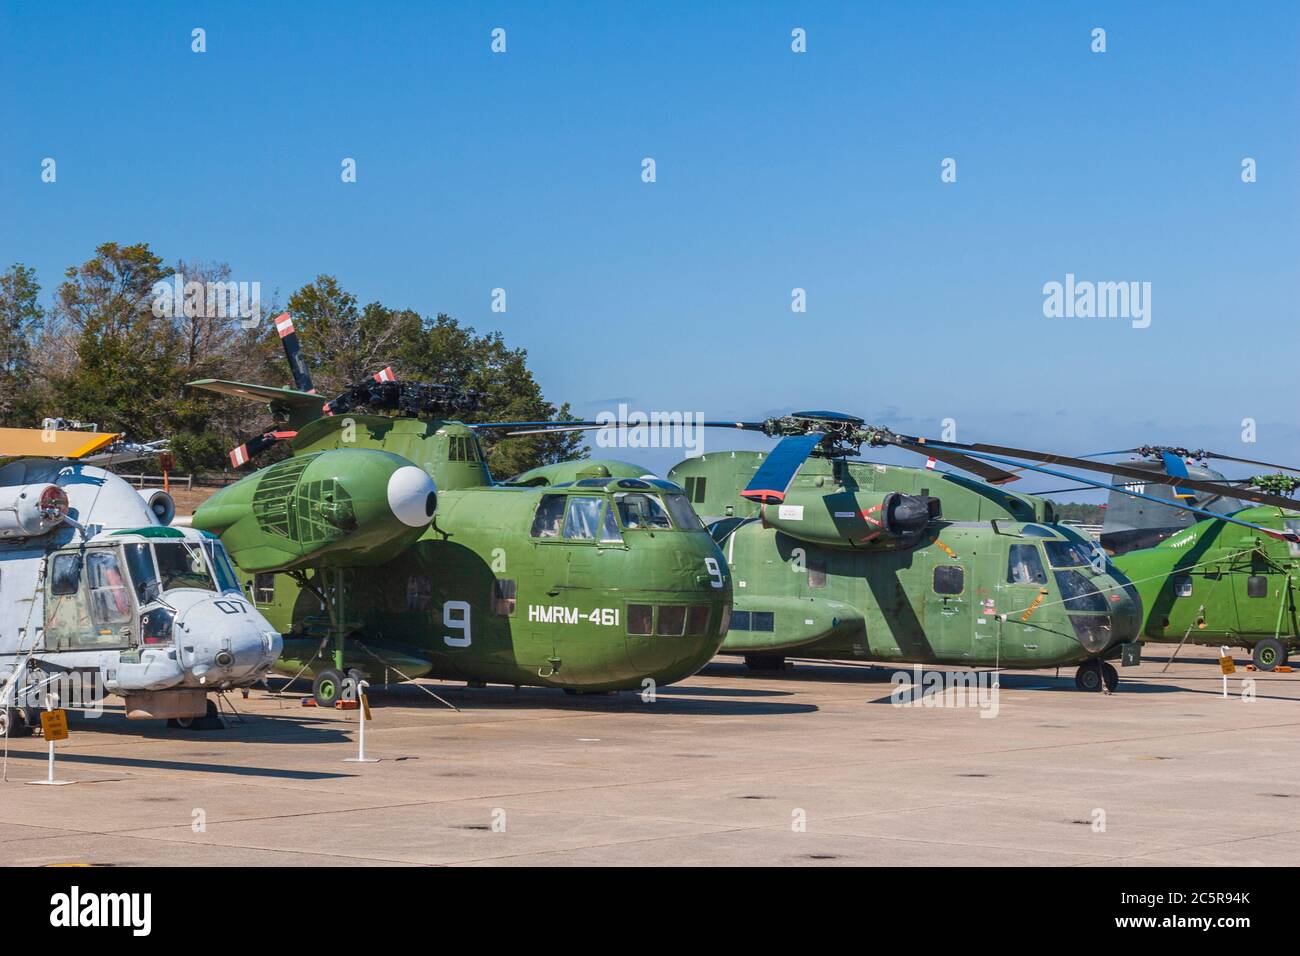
{"x": 1220, "y": 583}
{"x": 599, "y": 584}
{"x": 968, "y": 593}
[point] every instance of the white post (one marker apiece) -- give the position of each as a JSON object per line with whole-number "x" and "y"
{"x": 49, "y": 780}
{"x": 1223, "y": 652}
{"x": 361, "y": 731}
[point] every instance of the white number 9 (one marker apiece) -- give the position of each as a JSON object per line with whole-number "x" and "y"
{"x": 715, "y": 572}
{"x": 456, "y": 615}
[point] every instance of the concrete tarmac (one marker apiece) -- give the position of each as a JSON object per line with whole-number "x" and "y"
{"x": 815, "y": 766}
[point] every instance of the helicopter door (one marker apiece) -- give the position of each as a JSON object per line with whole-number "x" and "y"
{"x": 87, "y": 601}
{"x": 948, "y": 599}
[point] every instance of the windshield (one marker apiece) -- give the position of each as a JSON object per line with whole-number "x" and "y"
{"x": 684, "y": 515}
{"x": 1067, "y": 554}
{"x": 182, "y": 566}
{"x": 220, "y": 562}
{"x": 640, "y": 511}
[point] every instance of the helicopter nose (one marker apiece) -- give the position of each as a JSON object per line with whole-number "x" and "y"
{"x": 224, "y": 640}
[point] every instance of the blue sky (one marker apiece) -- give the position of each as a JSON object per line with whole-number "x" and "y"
{"x": 775, "y": 170}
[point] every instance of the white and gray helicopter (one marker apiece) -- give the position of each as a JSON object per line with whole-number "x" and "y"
{"x": 99, "y": 596}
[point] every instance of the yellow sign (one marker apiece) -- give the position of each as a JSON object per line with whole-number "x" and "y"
{"x": 1029, "y": 611}
{"x": 365, "y": 705}
{"x": 1227, "y": 666}
{"x": 54, "y": 724}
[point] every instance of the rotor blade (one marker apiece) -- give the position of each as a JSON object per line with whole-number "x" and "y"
{"x": 1175, "y": 467}
{"x": 994, "y": 476}
{"x": 542, "y": 428}
{"x": 1248, "y": 461}
{"x": 992, "y": 453}
{"x": 778, "y": 469}
{"x": 293, "y": 352}
{"x": 258, "y": 393}
{"x": 538, "y": 428}
{"x": 1280, "y": 535}
{"x": 243, "y": 454}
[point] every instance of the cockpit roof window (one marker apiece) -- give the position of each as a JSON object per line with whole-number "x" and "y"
{"x": 1037, "y": 531}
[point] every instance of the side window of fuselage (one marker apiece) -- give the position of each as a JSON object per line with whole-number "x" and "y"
{"x": 1024, "y": 566}
{"x": 503, "y": 597}
{"x": 263, "y": 588}
{"x": 549, "y": 516}
{"x": 949, "y": 579}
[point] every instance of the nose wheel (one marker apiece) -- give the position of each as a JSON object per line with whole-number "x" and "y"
{"x": 13, "y": 723}
{"x": 1269, "y": 653}
{"x": 211, "y": 720}
{"x": 1096, "y": 676}
{"x": 327, "y": 687}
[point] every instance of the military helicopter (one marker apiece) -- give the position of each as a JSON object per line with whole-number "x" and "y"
{"x": 844, "y": 559}
{"x": 1228, "y": 579}
{"x": 383, "y": 546}
{"x": 1132, "y": 523}
{"x": 103, "y": 598}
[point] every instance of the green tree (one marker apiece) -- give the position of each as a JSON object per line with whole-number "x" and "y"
{"x": 20, "y": 320}
{"x": 345, "y": 342}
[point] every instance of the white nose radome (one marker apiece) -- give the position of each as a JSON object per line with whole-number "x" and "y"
{"x": 412, "y": 496}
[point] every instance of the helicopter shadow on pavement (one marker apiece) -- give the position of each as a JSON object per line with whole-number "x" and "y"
{"x": 854, "y": 672}
{"x": 682, "y": 701}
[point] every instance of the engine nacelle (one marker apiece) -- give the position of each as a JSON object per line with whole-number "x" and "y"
{"x": 28, "y": 511}
{"x": 160, "y": 503}
{"x": 846, "y": 519}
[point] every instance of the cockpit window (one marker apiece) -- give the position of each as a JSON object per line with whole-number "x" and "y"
{"x": 684, "y": 515}
{"x": 221, "y": 567}
{"x": 1024, "y": 566}
{"x": 1293, "y": 524}
{"x": 182, "y": 566}
{"x": 640, "y": 511}
{"x": 110, "y": 600}
{"x": 1078, "y": 593}
{"x": 550, "y": 513}
{"x": 609, "y": 533}
{"x": 139, "y": 561}
{"x": 581, "y": 517}
{"x": 1067, "y": 554}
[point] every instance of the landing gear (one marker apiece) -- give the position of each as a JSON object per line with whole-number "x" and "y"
{"x": 327, "y": 687}
{"x": 211, "y": 720}
{"x": 765, "y": 662}
{"x": 1268, "y": 654}
{"x": 1096, "y": 676}
{"x": 13, "y": 723}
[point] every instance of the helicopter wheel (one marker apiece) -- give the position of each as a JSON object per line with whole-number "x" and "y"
{"x": 1268, "y": 654}
{"x": 765, "y": 662}
{"x": 211, "y": 720}
{"x": 1109, "y": 676}
{"x": 13, "y": 723}
{"x": 326, "y": 687}
{"x": 1088, "y": 676}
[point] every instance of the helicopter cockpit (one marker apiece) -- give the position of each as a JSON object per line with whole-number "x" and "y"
{"x": 602, "y": 509}
{"x": 1092, "y": 591}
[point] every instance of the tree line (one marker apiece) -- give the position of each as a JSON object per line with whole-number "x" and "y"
{"x": 101, "y": 353}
